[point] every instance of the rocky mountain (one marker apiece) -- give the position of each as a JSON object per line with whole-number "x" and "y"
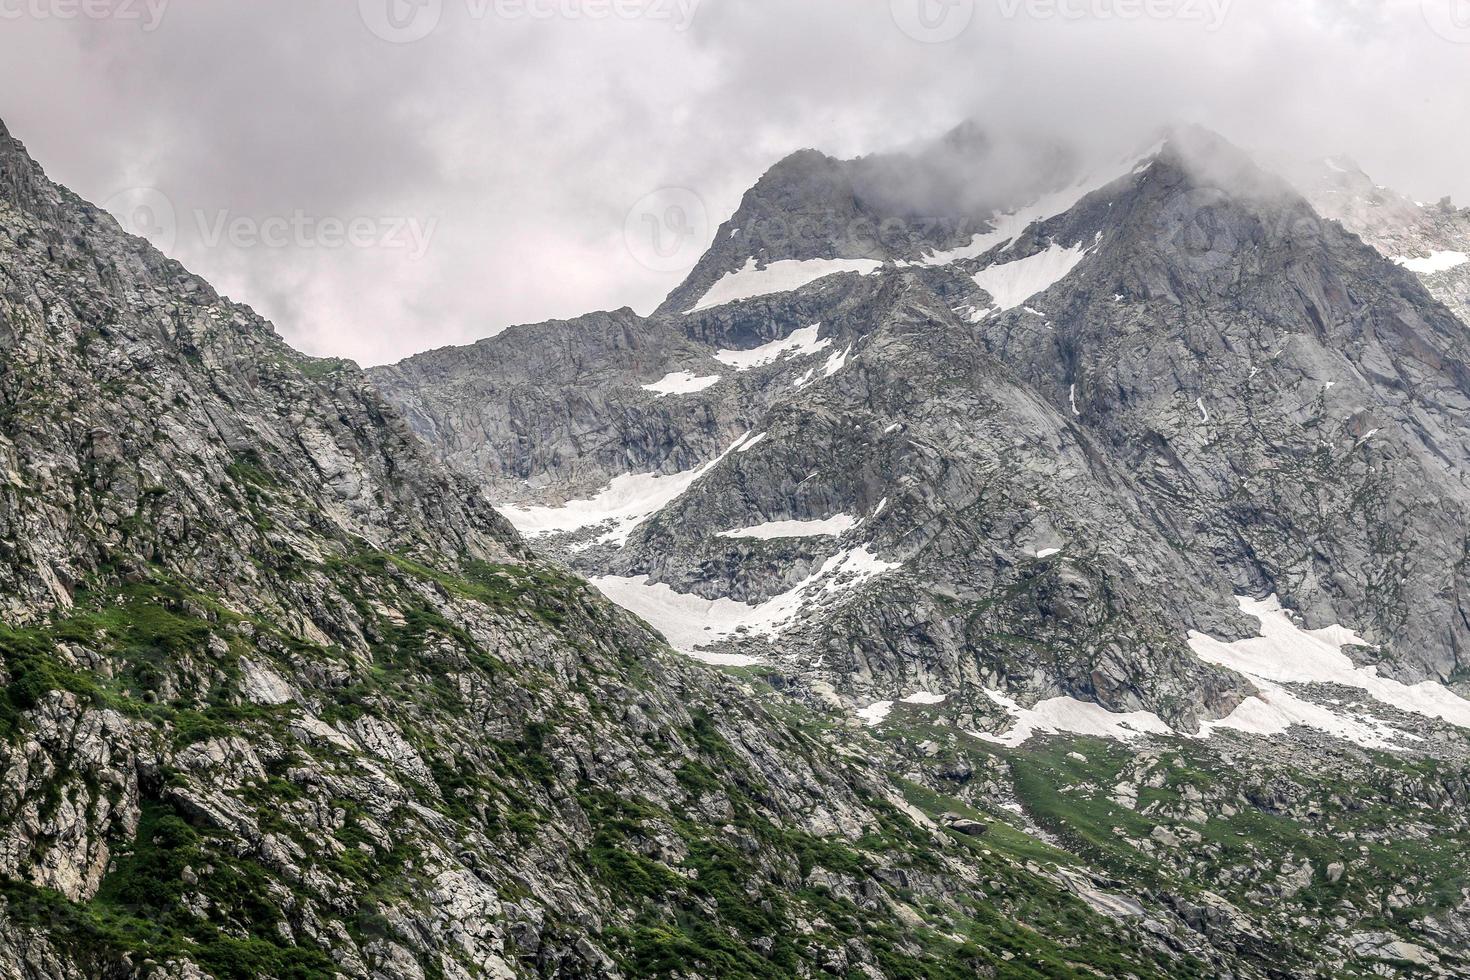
{"x": 987, "y": 535}
{"x": 813, "y": 214}
{"x": 1182, "y": 378}
{"x": 1159, "y": 455}
{"x": 285, "y": 697}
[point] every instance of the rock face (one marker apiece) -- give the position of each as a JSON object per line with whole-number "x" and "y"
{"x": 607, "y": 421}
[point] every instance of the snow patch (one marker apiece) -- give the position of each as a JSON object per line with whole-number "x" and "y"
{"x": 1442, "y": 261}
{"x": 778, "y": 277}
{"x": 681, "y": 383}
{"x": 799, "y": 343}
{"x": 691, "y": 622}
{"x": 1285, "y": 653}
{"x": 831, "y": 527}
{"x": 1057, "y": 715}
{"x": 1012, "y": 283}
{"x": 876, "y": 713}
{"x": 837, "y": 362}
{"x": 1048, "y": 552}
{"x": 748, "y": 446}
{"x": 625, "y": 503}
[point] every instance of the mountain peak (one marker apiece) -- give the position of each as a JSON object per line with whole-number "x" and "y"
{"x": 1213, "y": 160}
{"x": 22, "y": 180}
{"x": 873, "y": 210}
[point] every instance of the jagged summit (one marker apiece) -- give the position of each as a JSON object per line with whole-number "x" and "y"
{"x": 812, "y": 215}
{"x": 883, "y": 208}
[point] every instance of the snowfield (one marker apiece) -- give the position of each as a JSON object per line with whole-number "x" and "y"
{"x": 778, "y": 277}
{"x": 691, "y": 623}
{"x": 799, "y": 343}
{"x": 681, "y": 383}
{"x": 1011, "y": 284}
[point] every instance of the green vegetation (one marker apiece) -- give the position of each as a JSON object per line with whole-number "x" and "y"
{"x": 709, "y": 880}
{"x": 716, "y": 911}
{"x": 139, "y": 909}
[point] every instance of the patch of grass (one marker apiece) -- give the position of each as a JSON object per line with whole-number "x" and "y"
{"x": 139, "y": 909}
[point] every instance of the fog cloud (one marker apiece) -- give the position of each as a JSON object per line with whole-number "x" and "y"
{"x": 384, "y": 176}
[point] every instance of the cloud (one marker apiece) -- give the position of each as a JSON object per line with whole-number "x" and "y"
{"x": 522, "y": 132}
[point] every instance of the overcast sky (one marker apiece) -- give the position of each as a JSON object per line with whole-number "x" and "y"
{"x": 385, "y": 176}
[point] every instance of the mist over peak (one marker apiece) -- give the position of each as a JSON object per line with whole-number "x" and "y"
{"x": 596, "y": 128}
